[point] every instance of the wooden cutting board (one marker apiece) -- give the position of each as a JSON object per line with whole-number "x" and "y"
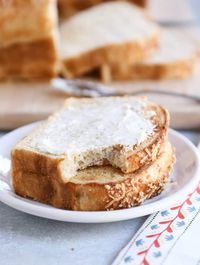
{"x": 22, "y": 103}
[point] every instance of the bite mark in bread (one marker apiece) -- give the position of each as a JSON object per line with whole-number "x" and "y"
{"x": 89, "y": 132}
{"x": 98, "y": 188}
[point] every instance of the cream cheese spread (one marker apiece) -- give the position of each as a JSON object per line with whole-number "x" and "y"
{"x": 102, "y": 123}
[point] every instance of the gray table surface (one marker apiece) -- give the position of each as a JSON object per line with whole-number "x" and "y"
{"x": 30, "y": 240}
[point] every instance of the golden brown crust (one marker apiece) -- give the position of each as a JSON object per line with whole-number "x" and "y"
{"x": 28, "y": 44}
{"x": 133, "y": 52}
{"x": 33, "y": 162}
{"x": 68, "y": 8}
{"x": 29, "y": 60}
{"x": 133, "y": 190}
{"x": 35, "y": 20}
{"x": 149, "y": 150}
{"x": 179, "y": 69}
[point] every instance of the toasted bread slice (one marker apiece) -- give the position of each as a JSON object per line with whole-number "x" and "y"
{"x": 97, "y": 188}
{"x": 68, "y": 8}
{"x": 125, "y": 132}
{"x": 176, "y": 58}
{"x": 106, "y": 34}
{"x": 28, "y": 40}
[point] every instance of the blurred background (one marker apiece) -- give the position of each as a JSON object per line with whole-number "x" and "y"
{"x": 195, "y": 7}
{"x": 31, "y": 86}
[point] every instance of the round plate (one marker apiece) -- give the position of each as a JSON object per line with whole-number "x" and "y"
{"x": 183, "y": 180}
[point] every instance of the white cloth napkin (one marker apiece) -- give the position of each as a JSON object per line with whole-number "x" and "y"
{"x": 168, "y": 237}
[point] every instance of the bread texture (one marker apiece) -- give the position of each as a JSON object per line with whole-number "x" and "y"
{"x": 68, "y": 8}
{"x": 176, "y": 58}
{"x": 124, "y": 132}
{"x": 28, "y": 40}
{"x": 106, "y": 34}
{"x": 96, "y": 188}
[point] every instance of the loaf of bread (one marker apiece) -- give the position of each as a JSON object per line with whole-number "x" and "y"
{"x": 175, "y": 59}
{"x": 106, "y": 34}
{"x": 28, "y": 39}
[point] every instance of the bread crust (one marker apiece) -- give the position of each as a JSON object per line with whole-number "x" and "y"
{"x": 35, "y": 20}
{"x": 149, "y": 150}
{"x": 68, "y": 8}
{"x": 176, "y": 70}
{"x": 133, "y": 51}
{"x": 39, "y": 60}
{"x": 28, "y": 40}
{"x": 130, "y": 191}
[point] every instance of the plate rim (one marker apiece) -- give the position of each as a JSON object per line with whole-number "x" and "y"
{"x": 50, "y": 212}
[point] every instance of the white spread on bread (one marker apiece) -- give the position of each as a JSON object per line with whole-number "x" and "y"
{"x": 98, "y": 124}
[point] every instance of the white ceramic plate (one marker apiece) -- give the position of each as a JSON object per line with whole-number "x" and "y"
{"x": 183, "y": 180}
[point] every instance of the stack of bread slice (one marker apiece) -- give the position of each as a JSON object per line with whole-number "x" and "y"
{"x": 120, "y": 42}
{"x": 110, "y": 33}
{"x": 28, "y": 39}
{"x": 115, "y": 39}
{"x": 96, "y": 154}
{"x": 175, "y": 58}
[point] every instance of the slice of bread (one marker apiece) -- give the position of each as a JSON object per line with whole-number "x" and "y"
{"x": 108, "y": 33}
{"x": 96, "y": 188}
{"x": 68, "y": 8}
{"x": 28, "y": 39}
{"x": 124, "y": 132}
{"x": 176, "y": 58}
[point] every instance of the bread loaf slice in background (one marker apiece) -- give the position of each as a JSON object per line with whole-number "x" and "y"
{"x": 109, "y": 33}
{"x": 68, "y": 8}
{"x": 176, "y": 58}
{"x": 28, "y": 39}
